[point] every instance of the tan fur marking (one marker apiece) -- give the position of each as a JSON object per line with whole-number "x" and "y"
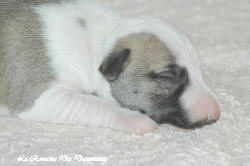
{"x": 147, "y": 51}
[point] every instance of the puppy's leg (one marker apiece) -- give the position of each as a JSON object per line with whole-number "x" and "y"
{"x": 62, "y": 105}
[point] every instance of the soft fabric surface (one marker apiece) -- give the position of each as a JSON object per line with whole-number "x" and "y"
{"x": 220, "y": 30}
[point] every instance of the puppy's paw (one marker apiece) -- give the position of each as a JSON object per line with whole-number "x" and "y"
{"x": 135, "y": 123}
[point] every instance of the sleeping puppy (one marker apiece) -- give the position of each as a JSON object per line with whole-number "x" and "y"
{"x": 75, "y": 62}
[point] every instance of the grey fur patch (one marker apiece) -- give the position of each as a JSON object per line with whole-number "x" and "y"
{"x": 152, "y": 83}
{"x": 148, "y": 54}
{"x": 24, "y": 67}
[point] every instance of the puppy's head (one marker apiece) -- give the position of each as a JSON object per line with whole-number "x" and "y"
{"x": 145, "y": 76}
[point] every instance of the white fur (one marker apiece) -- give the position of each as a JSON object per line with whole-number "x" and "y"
{"x": 62, "y": 105}
{"x": 76, "y": 52}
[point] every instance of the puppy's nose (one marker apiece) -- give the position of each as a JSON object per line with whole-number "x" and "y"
{"x": 205, "y": 109}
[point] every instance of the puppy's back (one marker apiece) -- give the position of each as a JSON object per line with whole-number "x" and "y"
{"x": 24, "y": 67}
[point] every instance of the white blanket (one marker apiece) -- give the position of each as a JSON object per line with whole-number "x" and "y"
{"x": 220, "y": 30}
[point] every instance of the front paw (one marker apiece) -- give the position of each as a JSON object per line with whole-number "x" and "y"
{"x": 135, "y": 123}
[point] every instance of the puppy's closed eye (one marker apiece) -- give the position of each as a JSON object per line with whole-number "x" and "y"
{"x": 164, "y": 79}
{"x": 165, "y": 75}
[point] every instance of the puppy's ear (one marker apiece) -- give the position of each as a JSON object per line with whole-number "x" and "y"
{"x": 115, "y": 63}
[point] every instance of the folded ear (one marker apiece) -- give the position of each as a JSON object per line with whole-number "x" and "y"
{"x": 115, "y": 63}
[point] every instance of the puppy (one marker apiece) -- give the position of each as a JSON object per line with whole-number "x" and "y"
{"x": 75, "y": 62}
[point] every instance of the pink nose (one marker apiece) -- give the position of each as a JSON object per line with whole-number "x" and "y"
{"x": 204, "y": 109}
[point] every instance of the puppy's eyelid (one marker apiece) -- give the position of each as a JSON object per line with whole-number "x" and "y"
{"x": 165, "y": 75}
{"x": 150, "y": 74}
{"x": 170, "y": 66}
